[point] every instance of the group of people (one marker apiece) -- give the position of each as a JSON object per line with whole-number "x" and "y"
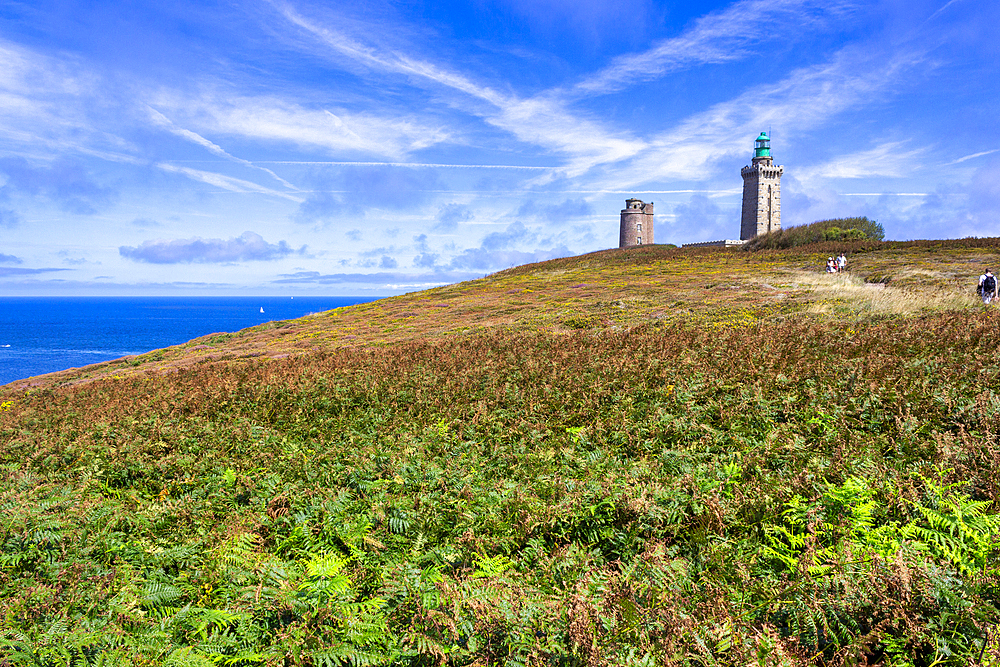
{"x": 987, "y": 287}
{"x": 838, "y": 265}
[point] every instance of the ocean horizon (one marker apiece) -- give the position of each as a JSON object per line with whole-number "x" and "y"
{"x": 47, "y": 334}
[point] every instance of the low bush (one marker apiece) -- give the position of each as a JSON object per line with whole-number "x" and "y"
{"x": 839, "y": 229}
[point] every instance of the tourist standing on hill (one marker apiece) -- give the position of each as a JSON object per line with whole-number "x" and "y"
{"x": 841, "y": 263}
{"x": 987, "y": 286}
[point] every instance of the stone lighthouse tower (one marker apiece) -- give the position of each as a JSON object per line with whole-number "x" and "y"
{"x": 637, "y": 224}
{"x": 761, "y": 192}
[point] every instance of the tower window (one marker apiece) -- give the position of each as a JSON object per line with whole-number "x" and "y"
{"x": 638, "y": 227}
{"x": 638, "y": 240}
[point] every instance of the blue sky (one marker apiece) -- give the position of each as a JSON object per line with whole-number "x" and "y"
{"x": 299, "y": 147}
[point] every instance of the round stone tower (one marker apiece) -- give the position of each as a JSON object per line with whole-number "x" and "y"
{"x": 761, "y": 192}
{"x": 637, "y": 224}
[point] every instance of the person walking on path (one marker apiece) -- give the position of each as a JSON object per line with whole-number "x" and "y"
{"x": 841, "y": 263}
{"x": 987, "y": 287}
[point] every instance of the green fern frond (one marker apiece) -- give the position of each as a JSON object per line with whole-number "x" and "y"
{"x": 158, "y": 594}
{"x": 187, "y": 657}
{"x": 959, "y": 530}
{"x": 238, "y": 550}
{"x": 325, "y": 565}
{"x": 491, "y": 566}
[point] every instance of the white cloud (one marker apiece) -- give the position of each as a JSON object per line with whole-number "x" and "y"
{"x": 547, "y": 120}
{"x": 56, "y": 102}
{"x": 542, "y": 120}
{"x": 162, "y": 121}
{"x": 886, "y": 159}
{"x": 275, "y": 119}
{"x": 719, "y": 37}
{"x": 388, "y": 60}
{"x": 971, "y": 157}
{"x": 943, "y": 7}
{"x": 804, "y": 100}
{"x": 226, "y": 182}
{"x": 29, "y": 75}
{"x": 248, "y": 246}
{"x": 409, "y": 165}
{"x": 39, "y": 100}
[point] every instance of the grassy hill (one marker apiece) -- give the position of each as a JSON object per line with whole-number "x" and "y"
{"x": 637, "y": 457}
{"x": 611, "y": 289}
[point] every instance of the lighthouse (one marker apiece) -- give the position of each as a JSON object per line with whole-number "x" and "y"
{"x": 761, "y": 192}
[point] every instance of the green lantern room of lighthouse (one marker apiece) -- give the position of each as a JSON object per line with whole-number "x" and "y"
{"x": 762, "y": 146}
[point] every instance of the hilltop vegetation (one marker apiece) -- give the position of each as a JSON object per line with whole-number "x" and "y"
{"x": 837, "y": 230}
{"x": 630, "y": 458}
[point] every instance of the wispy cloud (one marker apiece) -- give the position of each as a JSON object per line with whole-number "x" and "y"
{"x": 284, "y": 121}
{"x": 9, "y": 218}
{"x": 162, "y": 121}
{"x": 941, "y": 9}
{"x": 356, "y": 191}
{"x": 71, "y": 260}
{"x": 227, "y": 182}
{"x": 449, "y": 215}
{"x": 542, "y": 120}
{"x": 386, "y": 60}
{"x": 249, "y": 246}
{"x": 719, "y": 37}
{"x": 409, "y": 165}
{"x": 34, "y": 91}
{"x": 548, "y": 119}
{"x": 485, "y": 260}
{"x": 805, "y": 99}
{"x": 887, "y": 159}
{"x": 972, "y": 157}
{"x": 557, "y": 212}
{"x": 65, "y": 182}
{"x": 703, "y": 218}
{"x": 502, "y": 249}
{"x": 57, "y": 103}
{"x": 10, "y": 271}
{"x": 883, "y": 194}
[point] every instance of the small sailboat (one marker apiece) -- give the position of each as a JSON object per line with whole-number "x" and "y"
{"x": 262, "y": 309}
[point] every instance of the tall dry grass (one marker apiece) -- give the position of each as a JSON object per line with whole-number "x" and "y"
{"x": 833, "y": 293}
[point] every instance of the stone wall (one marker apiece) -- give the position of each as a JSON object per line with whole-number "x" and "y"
{"x": 726, "y": 243}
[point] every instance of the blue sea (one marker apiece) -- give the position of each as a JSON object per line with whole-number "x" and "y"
{"x": 45, "y": 334}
